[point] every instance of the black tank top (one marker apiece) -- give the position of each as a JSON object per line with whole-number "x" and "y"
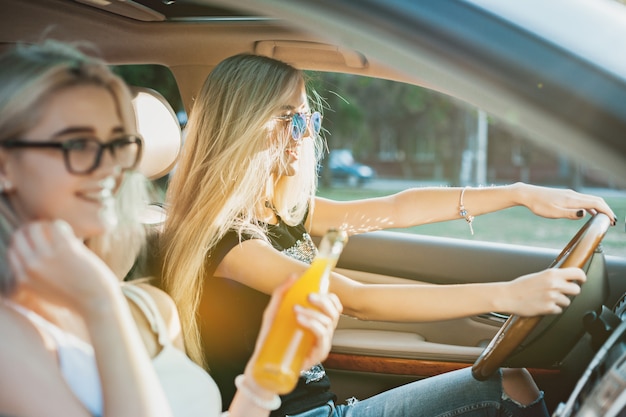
{"x": 230, "y": 317}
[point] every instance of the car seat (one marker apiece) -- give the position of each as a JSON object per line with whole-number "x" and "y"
{"x": 158, "y": 125}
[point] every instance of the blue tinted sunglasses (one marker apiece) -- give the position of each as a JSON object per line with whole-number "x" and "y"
{"x": 300, "y": 121}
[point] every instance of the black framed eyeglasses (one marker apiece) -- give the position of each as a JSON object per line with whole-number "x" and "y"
{"x": 300, "y": 122}
{"x": 83, "y": 155}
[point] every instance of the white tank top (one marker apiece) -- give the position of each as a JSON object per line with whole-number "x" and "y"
{"x": 76, "y": 358}
{"x": 189, "y": 388}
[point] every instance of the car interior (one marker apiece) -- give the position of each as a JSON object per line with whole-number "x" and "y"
{"x": 577, "y": 358}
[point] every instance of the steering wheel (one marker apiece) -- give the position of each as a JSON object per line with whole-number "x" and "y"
{"x": 576, "y": 253}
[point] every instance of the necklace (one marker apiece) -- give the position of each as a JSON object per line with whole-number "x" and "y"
{"x": 270, "y": 206}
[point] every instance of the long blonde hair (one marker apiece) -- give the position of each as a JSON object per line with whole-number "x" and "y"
{"x": 221, "y": 176}
{"x": 29, "y": 76}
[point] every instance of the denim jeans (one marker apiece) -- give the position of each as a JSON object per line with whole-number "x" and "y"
{"x": 454, "y": 393}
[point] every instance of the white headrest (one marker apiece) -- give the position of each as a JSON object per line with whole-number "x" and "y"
{"x": 157, "y": 123}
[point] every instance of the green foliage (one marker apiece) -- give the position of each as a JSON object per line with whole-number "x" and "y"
{"x": 390, "y": 122}
{"x": 405, "y": 131}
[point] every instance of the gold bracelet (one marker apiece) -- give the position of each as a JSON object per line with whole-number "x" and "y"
{"x": 463, "y": 212}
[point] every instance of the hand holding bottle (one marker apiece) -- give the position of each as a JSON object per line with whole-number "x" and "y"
{"x": 305, "y": 318}
{"x": 320, "y": 319}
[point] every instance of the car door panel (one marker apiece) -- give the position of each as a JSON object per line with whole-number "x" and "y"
{"x": 368, "y": 356}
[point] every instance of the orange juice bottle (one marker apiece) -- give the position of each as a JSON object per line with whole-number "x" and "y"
{"x": 287, "y": 343}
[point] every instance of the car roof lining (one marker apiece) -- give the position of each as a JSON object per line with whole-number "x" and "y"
{"x": 161, "y": 43}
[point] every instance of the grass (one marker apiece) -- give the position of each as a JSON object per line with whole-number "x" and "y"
{"x": 516, "y": 225}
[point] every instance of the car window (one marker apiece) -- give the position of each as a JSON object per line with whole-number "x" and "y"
{"x": 385, "y": 136}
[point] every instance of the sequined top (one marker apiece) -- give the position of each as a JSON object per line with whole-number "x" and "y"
{"x": 230, "y": 317}
{"x": 304, "y": 250}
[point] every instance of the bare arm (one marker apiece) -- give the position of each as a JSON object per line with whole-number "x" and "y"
{"x": 30, "y": 371}
{"x": 52, "y": 264}
{"x": 544, "y": 292}
{"x": 137, "y": 391}
{"x": 321, "y": 322}
{"x": 434, "y": 204}
{"x": 540, "y": 293}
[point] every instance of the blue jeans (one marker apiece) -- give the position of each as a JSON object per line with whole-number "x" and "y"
{"x": 454, "y": 393}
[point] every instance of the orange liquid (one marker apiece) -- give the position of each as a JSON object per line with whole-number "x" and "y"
{"x": 287, "y": 344}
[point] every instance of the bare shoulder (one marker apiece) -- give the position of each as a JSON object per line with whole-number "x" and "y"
{"x": 29, "y": 370}
{"x": 163, "y": 301}
{"x": 168, "y": 310}
{"x": 17, "y": 329}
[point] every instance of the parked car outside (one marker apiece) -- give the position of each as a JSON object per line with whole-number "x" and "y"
{"x": 344, "y": 168}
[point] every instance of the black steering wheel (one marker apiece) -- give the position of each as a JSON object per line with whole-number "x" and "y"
{"x": 577, "y": 253}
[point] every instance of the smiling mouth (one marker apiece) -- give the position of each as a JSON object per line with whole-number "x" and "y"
{"x": 102, "y": 194}
{"x": 98, "y": 196}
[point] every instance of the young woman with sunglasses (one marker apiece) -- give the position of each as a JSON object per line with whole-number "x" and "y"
{"x": 72, "y": 344}
{"x": 244, "y": 194}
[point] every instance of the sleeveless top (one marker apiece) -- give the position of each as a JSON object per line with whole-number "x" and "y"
{"x": 76, "y": 357}
{"x": 189, "y": 389}
{"x": 230, "y": 316}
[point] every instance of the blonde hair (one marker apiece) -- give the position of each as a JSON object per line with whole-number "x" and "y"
{"x": 220, "y": 178}
{"x": 29, "y": 76}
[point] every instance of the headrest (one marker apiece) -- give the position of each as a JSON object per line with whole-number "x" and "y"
{"x": 157, "y": 123}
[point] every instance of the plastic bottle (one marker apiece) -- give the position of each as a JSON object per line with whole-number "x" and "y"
{"x": 287, "y": 343}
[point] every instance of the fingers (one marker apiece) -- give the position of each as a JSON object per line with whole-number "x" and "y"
{"x": 324, "y": 317}
{"x": 554, "y": 203}
{"x": 327, "y": 303}
{"x": 603, "y": 207}
{"x": 272, "y": 308}
{"x": 590, "y": 204}
{"x": 321, "y": 321}
{"x": 41, "y": 237}
{"x": 320, "y": 324}
{"x": 33, "y": 244}
{"x": 573, "y": 275}
{"x": 62, "y": 228}
{"x": 322, "y": 328}
{"x": 546, "y": 292}
{"x": 562, "y": 284}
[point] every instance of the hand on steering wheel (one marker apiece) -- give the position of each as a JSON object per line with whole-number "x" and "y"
{"x": 513, "y": 332}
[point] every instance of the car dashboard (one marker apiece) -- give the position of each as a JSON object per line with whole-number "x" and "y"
{"x": 601, "y": 390}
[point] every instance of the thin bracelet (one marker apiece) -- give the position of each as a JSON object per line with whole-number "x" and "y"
{"x": 269, "y": 405}
{"x": 463, "y": 212}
